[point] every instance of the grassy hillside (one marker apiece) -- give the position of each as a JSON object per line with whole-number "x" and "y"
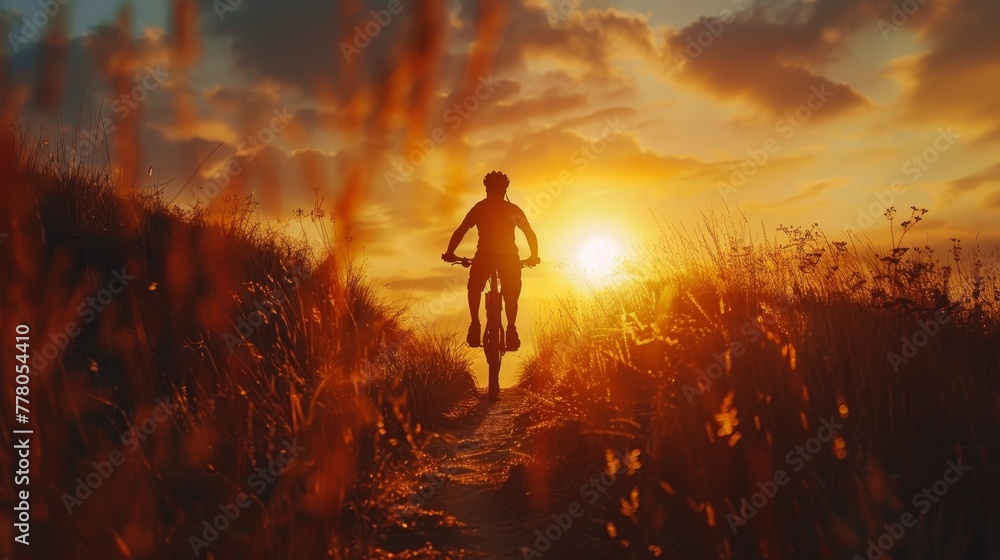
{"x": 779, "y": 397}
{"x": 203, "y": 384}
{"x": 188, "y": 365}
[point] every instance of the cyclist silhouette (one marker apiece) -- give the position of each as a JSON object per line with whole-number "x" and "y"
{"x": 495, "y": 218}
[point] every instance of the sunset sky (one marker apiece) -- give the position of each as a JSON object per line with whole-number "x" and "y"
{"x": 609, "y": 117}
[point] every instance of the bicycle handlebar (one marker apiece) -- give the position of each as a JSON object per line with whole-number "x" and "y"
{"x": 464, "y": 261}
{"x": 467, "y": 262}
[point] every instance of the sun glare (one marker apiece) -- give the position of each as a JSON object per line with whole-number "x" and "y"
{"x": 597, "y": 258}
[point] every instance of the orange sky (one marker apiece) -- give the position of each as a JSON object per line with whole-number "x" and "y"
{"x": 607, "y": 116}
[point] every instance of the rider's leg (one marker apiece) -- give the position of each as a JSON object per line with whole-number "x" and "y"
{"x": 511, "y": 292}
{"x": 510, "y": 303}
{"x": 475, "y": 331}
{"x": 474, "y": 298}
{"x": 510, "y": 278}
{"x": 512, "y": 338}
{"x": 477, "y": 281}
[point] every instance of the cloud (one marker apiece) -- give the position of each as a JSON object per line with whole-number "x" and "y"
{"x": 389, "y": 93}
{"x": 591, "y": 41}
{"x": 973, "y": 182}
{"x": 550, "y": 103}
{"x": 261, "y": 34}
{"x": 424, "y": 282}
{"x": 991, "y": 201}
{"x": 956, "y": 79}
{"x": 175, "y": 160}
{"x": 599, "y": 116}
{"x": 339, "y": 52}
{"x": 812, "y": 191}
{"x": 382, "y": 72}
{"x": 766, "y": 55}
{"x": 540, "y": 156}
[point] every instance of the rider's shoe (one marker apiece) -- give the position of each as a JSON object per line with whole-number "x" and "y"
{"x": 513, "y": 342}
{"x": 473, "y": 338}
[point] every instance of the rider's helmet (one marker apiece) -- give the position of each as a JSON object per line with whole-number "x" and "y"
{"x": 496, "y": 181}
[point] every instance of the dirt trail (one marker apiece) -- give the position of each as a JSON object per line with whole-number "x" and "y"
{"x": 481, "y": 507}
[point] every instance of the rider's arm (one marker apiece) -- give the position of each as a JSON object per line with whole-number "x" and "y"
{"x": 456, "y": 237}
{"x": 521, "y": 221}
{"x": 529, "y": 234}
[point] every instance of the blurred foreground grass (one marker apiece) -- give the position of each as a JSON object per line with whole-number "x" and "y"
{"x": 186, "y": 360}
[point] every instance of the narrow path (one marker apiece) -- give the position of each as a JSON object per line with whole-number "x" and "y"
{"x": 481, "y": 491}
{"x": 481, "y": 505}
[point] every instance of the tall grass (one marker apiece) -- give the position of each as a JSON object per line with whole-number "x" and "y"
{"x": 727, "y": 349}
{"x": 267, "y": 349}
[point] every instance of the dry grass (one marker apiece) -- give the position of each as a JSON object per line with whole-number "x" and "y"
{"x": 795, "y": 329}
{"x": 316, "y": 371}
{"x": 799, "y": 329}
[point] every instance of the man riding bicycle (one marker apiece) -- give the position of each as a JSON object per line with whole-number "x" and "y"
{"x": 495, "y": 219}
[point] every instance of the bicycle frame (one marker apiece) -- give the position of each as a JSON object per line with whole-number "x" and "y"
{"x": 494, "y": 344}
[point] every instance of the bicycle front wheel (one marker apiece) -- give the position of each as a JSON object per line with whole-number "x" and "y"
{"x": 493, "y": 343}
{"x": 494, "y": 389}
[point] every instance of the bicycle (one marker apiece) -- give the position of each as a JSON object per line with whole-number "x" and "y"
{"x": 494, "y": 344}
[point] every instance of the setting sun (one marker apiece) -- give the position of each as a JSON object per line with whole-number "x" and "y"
{"x": 597, "y": 258}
